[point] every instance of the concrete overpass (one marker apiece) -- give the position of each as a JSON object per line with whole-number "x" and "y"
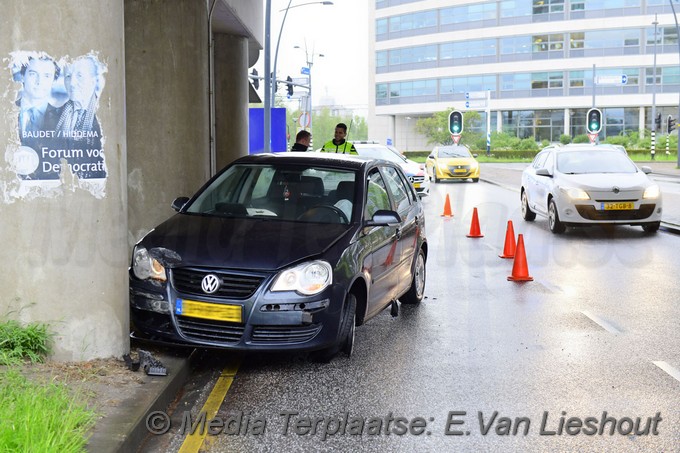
{"x": 171, "y": 107}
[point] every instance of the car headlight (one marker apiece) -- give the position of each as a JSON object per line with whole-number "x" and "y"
{"x": 307, "y": 278}
{"x": 576, "y": 194}
{"x": 145, "y": 267}
{"x": 652, "y": 192}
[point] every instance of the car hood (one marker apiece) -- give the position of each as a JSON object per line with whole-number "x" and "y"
{"x": 254, "y": 244}
{"x": 605, "y": 181}
{"x": 455, "y": 161}
{"x": 411, "y": 167}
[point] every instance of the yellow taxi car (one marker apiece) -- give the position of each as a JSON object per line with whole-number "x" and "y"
{"x": 452, "y": 162}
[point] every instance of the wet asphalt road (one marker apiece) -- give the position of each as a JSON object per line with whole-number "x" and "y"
{"x": 590, "y": 334}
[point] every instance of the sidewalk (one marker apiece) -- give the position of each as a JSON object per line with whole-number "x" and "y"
{"x": 123, "y": 427}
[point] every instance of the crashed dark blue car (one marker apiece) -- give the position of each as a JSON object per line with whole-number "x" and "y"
{"x": 281, "y": 252}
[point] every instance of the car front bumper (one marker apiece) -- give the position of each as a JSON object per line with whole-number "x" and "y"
{"x": 593, "y": 212}
{"x": 270, "y": 321}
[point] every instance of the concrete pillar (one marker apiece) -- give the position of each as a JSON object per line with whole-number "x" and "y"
{"x": 63, "y": 232}
{"x": 231, "y": 98}
{"x": 166, "y": 62}
{"x": 567, "y": 121}
{"x": 641, "y": 122}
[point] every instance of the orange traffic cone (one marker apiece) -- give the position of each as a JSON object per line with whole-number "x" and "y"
{"x": 447, "y": 207}
{"x": 509, "y": 247}
{"x": 520, "y": 271}
{"x": 474, "y": 226}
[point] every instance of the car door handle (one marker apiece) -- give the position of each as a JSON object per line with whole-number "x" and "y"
{"x": 398, "y": 233}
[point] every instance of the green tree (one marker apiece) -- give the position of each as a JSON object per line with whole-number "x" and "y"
{"x": 323, "y": 126}
{"x": 436, "y": 128}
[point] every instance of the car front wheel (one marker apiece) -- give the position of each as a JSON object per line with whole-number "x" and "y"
{"x": 556, "y": 226}
{"x": 527, "y": 213}
{"x": 415, "y": 293}
{"x": 346, "y": 343}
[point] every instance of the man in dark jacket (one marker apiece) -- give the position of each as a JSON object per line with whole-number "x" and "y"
{"x": 302, "y": 141}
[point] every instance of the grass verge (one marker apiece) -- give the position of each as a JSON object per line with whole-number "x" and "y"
{"x": 41, "y": 417}
{"x": 37, "y": 416}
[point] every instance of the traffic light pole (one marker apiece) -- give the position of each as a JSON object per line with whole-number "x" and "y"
{"x": 656, "y": 22}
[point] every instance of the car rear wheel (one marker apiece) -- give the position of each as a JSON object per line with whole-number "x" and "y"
{"x": 347, "y": 327}
{"x": 415, "y": 293}
{"x": 475, "y": 179}
{"x": 556, "y": 226}
{"x": 652, "y": 227}
{"x": 527, "y": 213}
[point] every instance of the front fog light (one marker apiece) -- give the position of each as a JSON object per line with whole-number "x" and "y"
{"x": 307, "y": 278}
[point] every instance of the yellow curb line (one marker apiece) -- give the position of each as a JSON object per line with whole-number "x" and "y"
{"x": 193, "y": 442}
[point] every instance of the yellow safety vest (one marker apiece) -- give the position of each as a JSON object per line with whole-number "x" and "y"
{"x": 345, "y": 148}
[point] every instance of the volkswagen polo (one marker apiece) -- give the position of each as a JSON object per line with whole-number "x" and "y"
{"x": 281, "y": 252}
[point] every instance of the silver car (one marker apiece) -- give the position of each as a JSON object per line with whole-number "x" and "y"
{"x": 415, "y": 172}
{"x": 589, "y": 185}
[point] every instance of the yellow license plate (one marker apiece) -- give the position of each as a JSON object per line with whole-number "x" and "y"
{"x": 207, "y": 310}
{"x": 416, "y": 185}
{"x": 622, "y": 206}
{"x": 460, "y": 170}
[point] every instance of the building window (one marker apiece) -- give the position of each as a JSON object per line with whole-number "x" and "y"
{"x": 468, "y": 13}
{"x": 547, "y": 6}
{"x": 546, "y": 43}
{"x": 516, "y": 45}
{"x": 544, "y": 80}
{"x": 515, "y": 8}
{"x": 381, "y": 59}
{"x": 467, "y": 49}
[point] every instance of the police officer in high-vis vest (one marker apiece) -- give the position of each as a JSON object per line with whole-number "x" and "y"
{"x": 339, "y": 144}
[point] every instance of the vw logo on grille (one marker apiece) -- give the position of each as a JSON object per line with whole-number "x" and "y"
{"x": 616, "y": 189}
{"x": 210, "y": 283}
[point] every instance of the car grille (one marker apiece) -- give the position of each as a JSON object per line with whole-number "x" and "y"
{"x": 453, "y": 168}
{"x": 416, "y": 179}
{"x": 232, "y": 285}
{"x": 284, "y": 334}
{"x": 590, "y": 213}
{"x": 213, "y": 331}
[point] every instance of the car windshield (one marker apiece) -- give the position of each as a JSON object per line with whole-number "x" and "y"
{"x": 378, "y": 152}
{"x": 279, "y": 192}
{"x": 594, "y": 161}
{"x": 454, "y": 151}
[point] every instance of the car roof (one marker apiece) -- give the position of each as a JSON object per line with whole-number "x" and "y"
{"x": 582, "y": 148}
{"x": 307, "y": 158}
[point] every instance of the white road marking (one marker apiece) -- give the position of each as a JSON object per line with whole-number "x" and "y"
{"x": 674, "y": 372}
{"x": 601, "y": 322}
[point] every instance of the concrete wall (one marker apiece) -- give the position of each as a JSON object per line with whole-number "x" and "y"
{"x": 67, "y": 235}
{"x": 231, "y": 98}
{"x": 166, "y": 59}
{"x": 63, "y": 263}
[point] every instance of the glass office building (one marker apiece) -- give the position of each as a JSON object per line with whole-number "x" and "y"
{"x": 534, "y": 67}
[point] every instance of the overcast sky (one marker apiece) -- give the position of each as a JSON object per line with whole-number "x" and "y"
{"x": 339, "y": 32}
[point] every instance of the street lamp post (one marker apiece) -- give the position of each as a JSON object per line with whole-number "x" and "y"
{"x": 309, "y": 59}
{"x": 270, "y": 77}
{"x": 677, "y": 31}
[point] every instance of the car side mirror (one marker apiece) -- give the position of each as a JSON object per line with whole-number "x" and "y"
{"x": 383, "y": 217}
{"x": 474, "y": 155}
{"x": 645, "y": 169}
{"x": 543, "y": 172}
{"x": 179, "y": 202}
